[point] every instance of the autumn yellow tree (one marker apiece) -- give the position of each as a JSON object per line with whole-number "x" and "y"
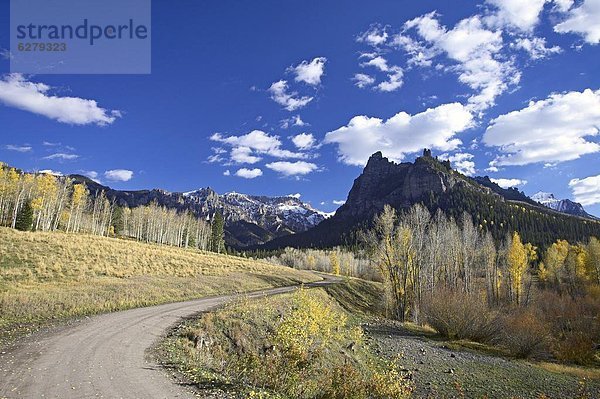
{"x": 551, "y": 269}
{"x": 593, "y": 260}
{"x": 517, "y": 259}
{"x": 334, "y": 263}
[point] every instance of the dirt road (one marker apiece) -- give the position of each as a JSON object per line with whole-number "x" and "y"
{"x": 104, "y": 356}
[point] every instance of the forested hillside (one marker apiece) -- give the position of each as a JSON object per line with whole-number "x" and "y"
{"x": 434, "y": 184}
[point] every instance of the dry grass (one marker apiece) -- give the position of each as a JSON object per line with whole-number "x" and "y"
{"x": 580, "y": 372}
{"x": 45, "y": 276}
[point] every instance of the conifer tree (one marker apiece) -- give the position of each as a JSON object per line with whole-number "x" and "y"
{"x": 217, "y": 242}
{"x": 24, "y": 219}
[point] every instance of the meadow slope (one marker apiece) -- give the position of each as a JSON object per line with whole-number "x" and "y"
{"x": 55, "y": 276}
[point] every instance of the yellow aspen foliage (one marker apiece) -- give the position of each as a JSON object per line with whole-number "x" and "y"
{"x": 593, "y": 259}
{"x": 309, "y": 327}
{"x": 517, "y": 259}
{"x": 554, "y": 261}
{"x": 334, "y": 262}
{"x": 311, "y": 262}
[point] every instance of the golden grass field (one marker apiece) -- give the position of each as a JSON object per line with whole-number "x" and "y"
{"x": 49, "y": 276}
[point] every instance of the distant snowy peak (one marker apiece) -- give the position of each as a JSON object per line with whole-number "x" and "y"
{"x": 275, "y": 213}
{"x": 543, "y": 197}
{"x": 561, "y": 205}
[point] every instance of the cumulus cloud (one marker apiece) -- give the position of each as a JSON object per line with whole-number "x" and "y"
{"x": 92, "y": 174}
{"x": 18, "y": 148}
{"x": 535, "y": 47}
{"x": 118, "y": 175}
{"x": 393, "y": 73}
{"x": 244, "y": 155}
{"x": 246, "y": 147}
{"x": 310, "y": 72}
{"x": 339, "y": 202}
{"x": 583, "y": 20}
{"x": 16, "y": 91}
{"x": 249, "y": 173}
{"x": 474, "y": 50}
{"x": 61, "y": 156}
{"x": 551, "y": 130}
{"x": 292, "y": 121}
{"x": 523, "y": 15}
{"x": 462, "y": 162}
{"x": 401, "y": 134}
{"x": 508, "y": 183}
{"x": 587, "y": 190}
{"x": 304, "y": 141}
{"x": 375, "y": 36}
{"x": 227, "y": 173}
{"x": 298, "y": 168}
{"x": 50, "y": 172}
{"x": 291, "y": 101}
{"x": 362, "y": 80}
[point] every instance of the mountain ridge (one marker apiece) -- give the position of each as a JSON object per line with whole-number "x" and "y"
{"x": 561, "y": 205}
{"x": 249, "y": 219}
{"x": 437, "y": 186}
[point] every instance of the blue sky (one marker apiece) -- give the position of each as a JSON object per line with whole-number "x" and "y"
{"x": 275, "y": 98}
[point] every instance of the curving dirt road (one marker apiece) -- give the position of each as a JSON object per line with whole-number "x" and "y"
{"x": 104, "y": 357}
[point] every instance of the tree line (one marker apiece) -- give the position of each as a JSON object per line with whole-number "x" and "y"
{"x": 44, "y": 202}
{"x": 418, "y": 254}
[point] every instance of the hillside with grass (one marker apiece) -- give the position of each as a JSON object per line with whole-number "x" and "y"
{"x": 56, "y": 276}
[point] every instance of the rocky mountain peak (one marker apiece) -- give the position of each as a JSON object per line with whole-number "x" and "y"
{"x": 560, "y": 205}
{"x": 399, "y": 184}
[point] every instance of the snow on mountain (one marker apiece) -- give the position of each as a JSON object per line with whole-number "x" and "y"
{"x": 560, "y": 205}
{"x": 273, "y": 213}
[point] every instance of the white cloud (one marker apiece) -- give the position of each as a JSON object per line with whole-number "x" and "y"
{"x": 249, "y": 173}
{"x": 6, "y": 54}
{"x": 462, "y": 162}
{"x": 62, "y": 156}
{"x": 339, "y": 202}
{"x": 394, "y": 74}
{"x": 551, "y": 130}
{"x": 362, "y": 80}
{"x": 310, "y": 72}
{"x": 292, "y": 168}
{"x": 536, "y": 47}
{"x": 18, "y": 148}
{"x": 521, "y": 14}
{"x": 583, "y": 20}
{"x": 293, "y": 121}
{"x": 291, "y": 101}
{"x": 587, "y": 190}
{"x": 246, "y": 146}
{"x": 563, "y": 5}
{"x": 394, "y": 81}
{"x": 227, "y": 173}
{"x": 304, "y": 141}
{"x": 508, "y": 183}
{"x": 50, "y": 172}
{"x": 378, "y": 62}
{"x": 92, "y": 174}
{"x": 475, "y": 50}
{"x": 244, "y": 155}
{"x": 16, "y": 91}
{"x": 375, "y": 36}
{"x": 118, "y": 175}
{"x": 401, "y": 134}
